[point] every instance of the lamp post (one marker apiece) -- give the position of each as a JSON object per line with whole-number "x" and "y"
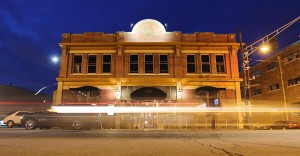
{"x": 283, "y": 90}
{"x": 248, "y": 50}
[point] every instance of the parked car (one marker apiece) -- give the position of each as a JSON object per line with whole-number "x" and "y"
{"x": 14, "y": 118}
{"x": 46, "y": 120}
{"x": 285, "y": 125}
{"x": 260, "y": 127}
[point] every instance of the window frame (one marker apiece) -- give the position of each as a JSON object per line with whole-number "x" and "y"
{"x": 134, "y": 63}
{"x": 104, "y": 63}
{"x": 256, "y": 73}
{"x": 76, "y": 64}
{"x": 91, "y": 64}
{"x": 148, "y": 63}
{"x": 163, "y": 63}
{"x": 257, "y": 92}
{"x": 220, "y": 64}
{"x": 273, "y": 87}
{"x": 194, "y": 63}
{"x": 271, "y": 66}
{"x": 205, "y": 63}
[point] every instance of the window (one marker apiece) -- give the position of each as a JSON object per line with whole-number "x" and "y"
{"x": 205, "y": 63}
{"x": 294, "y": 81}
{"x": 92, "y": 63}
{"x": 256, "y": 74}
{"x": 163, "y": 64}
{"x": 295, "y": 55}
{"x": 291, "y": 57}
{"x": 257, "y": 92}
{"x": 134, "y": 64}
{"x": 77, "y": 63}
{"x": 106, "y": 64}
{"x": 220, "y": 64}
{"x": 191, "y": 63}
{"x": 21, "y": 113}
{"x": 148, "y": 63}
{"x": 273, "y": 87}
{"x": 271, "y": 66}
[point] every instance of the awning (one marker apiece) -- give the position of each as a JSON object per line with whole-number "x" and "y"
{"x": 148, "y": 93}
{"x": 207, "y": 88}
{"x": 86, "y": 88}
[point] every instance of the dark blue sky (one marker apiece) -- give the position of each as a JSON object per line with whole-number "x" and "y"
{"x": 30, "y": 30}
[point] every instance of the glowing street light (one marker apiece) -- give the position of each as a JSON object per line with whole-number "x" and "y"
{"x": 265, "y": 48}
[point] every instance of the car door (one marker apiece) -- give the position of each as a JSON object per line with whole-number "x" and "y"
{"x": 46, "y": 119}
{"x": 276, "y": 125}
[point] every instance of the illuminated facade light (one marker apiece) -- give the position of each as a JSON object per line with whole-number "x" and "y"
{"x": 179, "y": 94}
{"x": 118, "y": 94}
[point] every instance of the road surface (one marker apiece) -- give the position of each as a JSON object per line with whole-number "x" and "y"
{"x": 56, "y": 142}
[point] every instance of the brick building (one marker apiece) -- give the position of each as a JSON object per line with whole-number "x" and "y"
{"x": 151, "y": 67}
{"x": 275, "y": 84}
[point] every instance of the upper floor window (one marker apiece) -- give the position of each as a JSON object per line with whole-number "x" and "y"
{"x": 255, "y": 74}
{"x": 257, "y": 92}
{"x": 163, "y": 64}
{"x": 294, "y": 81}
{"x": 291, "y": 57}
{"x": 271, "y": 66}
{"x": 273, "y": 87}
{"x": 134, "y": 63}
{"x": 106, "y": 64}
{"x": 205, "y": 63}
{"x": 148, "y": 63}
{"x": 191, "y": 63}
{"x": 77, "y": 63}
{"x": 220, "y": 64}
{"x": 92, "y": 59}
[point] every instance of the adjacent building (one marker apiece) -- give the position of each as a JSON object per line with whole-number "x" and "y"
{"x": 19, "y": 99}
{"x": 275, "y": 85}
{"x": 151, "y": 67}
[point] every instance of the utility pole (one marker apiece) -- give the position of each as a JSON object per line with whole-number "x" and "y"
{"x": 283, "y": 90}
{"x": 247, "y": 50}
{"x": 246, "y": 76}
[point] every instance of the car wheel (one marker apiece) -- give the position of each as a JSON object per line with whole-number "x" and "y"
{"x": 10, "y": 124}
{"x": 30, "y": 124}
{"x": 77, "y": 125}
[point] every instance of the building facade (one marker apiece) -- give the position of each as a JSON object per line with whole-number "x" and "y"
{"x": 275, "y": 85}
{"x": 151, "y": 67}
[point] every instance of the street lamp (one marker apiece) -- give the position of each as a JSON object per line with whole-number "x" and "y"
{"x": 265, "y": 48}
{"x": 247, "y": 50}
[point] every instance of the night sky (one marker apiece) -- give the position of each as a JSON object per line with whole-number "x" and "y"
{"x": 30, "y": 30}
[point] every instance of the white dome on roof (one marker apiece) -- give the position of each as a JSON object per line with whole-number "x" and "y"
{"x": 148, "y": 26}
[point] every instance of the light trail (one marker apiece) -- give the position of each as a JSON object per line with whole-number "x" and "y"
{"x": 112, "y": 109}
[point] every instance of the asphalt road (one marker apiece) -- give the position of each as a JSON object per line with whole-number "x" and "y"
{"x": 56, "y": 142}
